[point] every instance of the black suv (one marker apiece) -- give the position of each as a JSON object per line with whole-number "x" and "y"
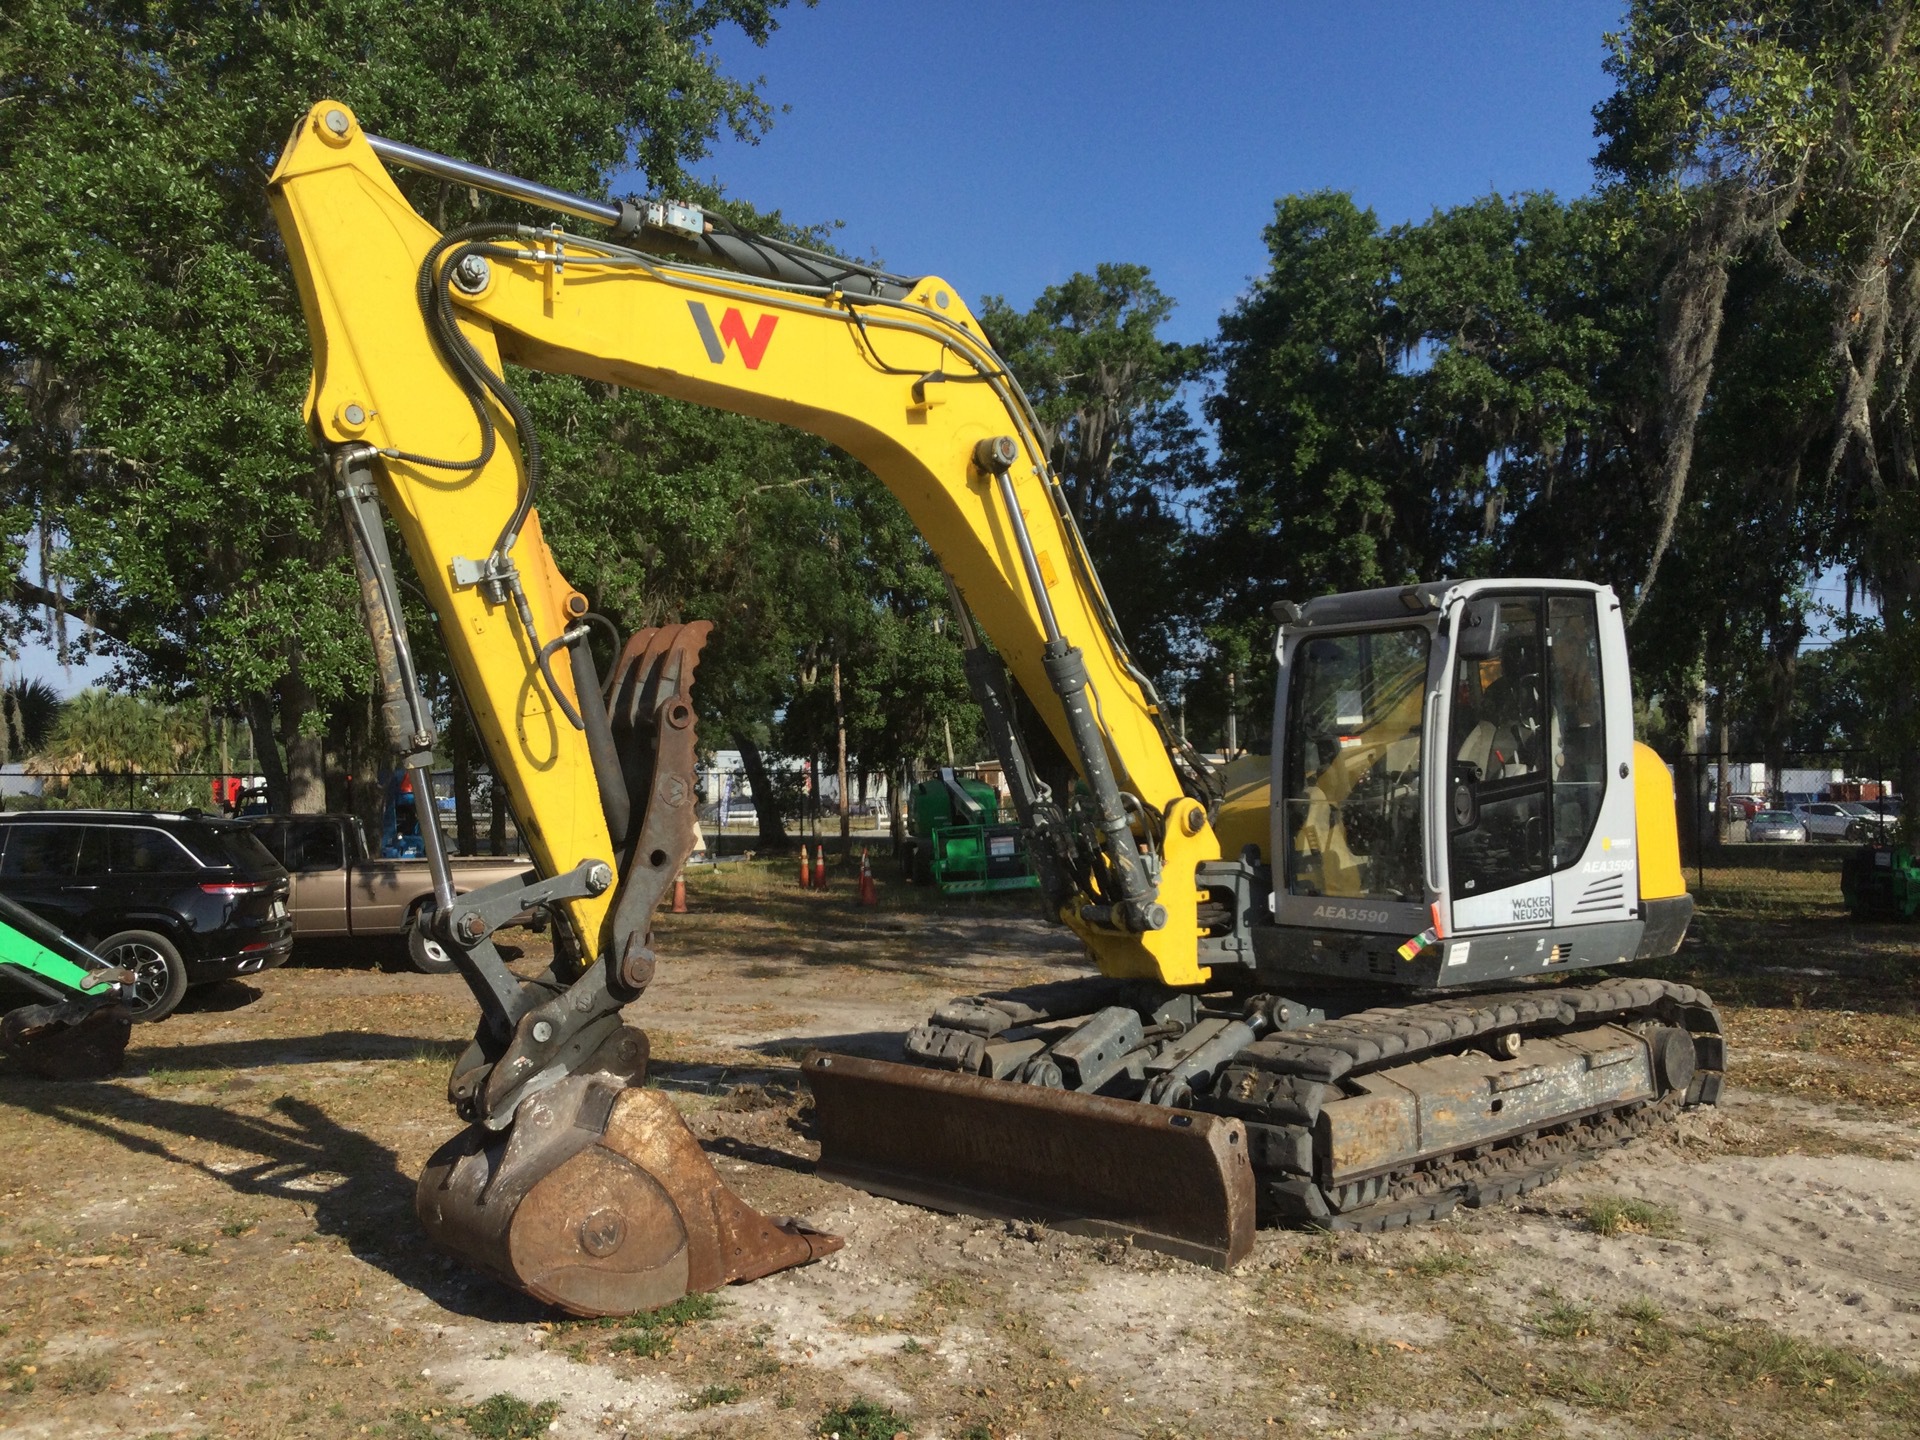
{"x": 178, "y": 899}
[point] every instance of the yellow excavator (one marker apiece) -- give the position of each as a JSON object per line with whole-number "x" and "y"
{"x": 1336, "y": 990}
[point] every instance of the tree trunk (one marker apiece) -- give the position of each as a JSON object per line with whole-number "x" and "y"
{"x": 267, "y": 753}
{"x": 840, "y": 768}
{"x": 766, "y": 805}
{"x": 497, "y": 822}
{"x": 466, "y": 837}
{"x": 897, "y": 786}
{"x": 1722, "y": 811}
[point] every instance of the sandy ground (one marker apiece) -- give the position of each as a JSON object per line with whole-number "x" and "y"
{"x": 220, "y": 1242}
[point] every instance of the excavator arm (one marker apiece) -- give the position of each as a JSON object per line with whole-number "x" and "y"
{"x": 571, "y": 1182}
{"x": 895, "y": 371}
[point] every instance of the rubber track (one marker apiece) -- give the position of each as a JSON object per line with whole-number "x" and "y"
{"x": 1278, "y": 1085}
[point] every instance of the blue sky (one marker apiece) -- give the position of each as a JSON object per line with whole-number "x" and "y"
{"x": 1005, "y": 146}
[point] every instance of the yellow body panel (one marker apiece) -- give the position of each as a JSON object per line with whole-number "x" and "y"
{"x": 803, "y": 361}
{"x": 1245, "y": 814}
{"x": 1656, "y": 827}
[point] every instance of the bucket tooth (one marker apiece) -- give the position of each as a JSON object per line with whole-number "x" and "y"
{"x": 1176, "y": 1181}
{"x": 600, "y": 1200}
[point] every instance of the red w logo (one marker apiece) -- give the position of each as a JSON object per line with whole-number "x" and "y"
{"x": 752, "y": 344}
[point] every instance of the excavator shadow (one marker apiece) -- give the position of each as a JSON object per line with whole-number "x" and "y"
{"x": 329, "y": 1047}
{"x": 297, "y": 1153}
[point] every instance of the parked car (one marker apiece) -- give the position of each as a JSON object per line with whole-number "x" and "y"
{"x": 340, "y": 892}
{"x": 1744, "y": 807}
{"x": 179, "y": 900}
{"x": 1875, "y": 818}
{"x": 1836, "y": 820}
{"x": 1776, "y": 825}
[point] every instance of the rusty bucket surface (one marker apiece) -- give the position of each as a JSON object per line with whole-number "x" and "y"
{"x": 601, "y": 1201}
{"x": 1170, "y": 1180}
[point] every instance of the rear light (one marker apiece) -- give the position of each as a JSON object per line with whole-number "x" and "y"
{"x": 231, "y": 888}
{"x": 256, "y": 945}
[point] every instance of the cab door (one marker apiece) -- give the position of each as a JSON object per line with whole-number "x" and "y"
{"x": 1499, "y": 785}
{"x": 1595, "y": 863}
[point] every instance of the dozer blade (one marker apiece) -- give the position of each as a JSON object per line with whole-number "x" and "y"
{"x": 1171, "y": 1180}
{"x": 72, "y": 1040}
{"x": 600, "y": 1200}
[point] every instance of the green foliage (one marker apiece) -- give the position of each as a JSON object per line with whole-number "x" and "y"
{"x": 650, "y": 1333}
{"x": 713, "y": 1395}
{"x": 1108, "y": 393}
{"x": 154, "y": 348}
{"x": 860, "y": 1420}
{"x": 508, "y": 1417}
{"x": 27, "y": 711}
{"x": 99, "y": 738}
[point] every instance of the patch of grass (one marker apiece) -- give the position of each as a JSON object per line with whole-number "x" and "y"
{"x": 1617, "y": 1215}
{"x": 193, "y": 1248}
{"x": 508, "y": 1417}
{"x": 861, "y": 1420}
{"x": 1832, "y": 1379}
{"x": 81, "y": 1377}
{"x": 318, "y": 1334}
{"x": 238, "y": 1224}
{"x": 22, "y": 1377}
{"x": 650, "y": 1333}
{"x": 1437, "y": 1263}
{"x": 1593, "y": 1389}
{"x": 1647, "y": 1333}
{"x": 913, "y": 1347}
{"x": 1563, "y": 1320}
{"x": 715, "y": 1395}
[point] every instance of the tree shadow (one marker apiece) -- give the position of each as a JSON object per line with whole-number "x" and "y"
{"x": 354, "y": 1184}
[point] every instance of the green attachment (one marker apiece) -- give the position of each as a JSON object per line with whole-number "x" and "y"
{"x": 47, "y": 961}
{"x": 1881, "y": 882}
{"x": 969, "y": 850}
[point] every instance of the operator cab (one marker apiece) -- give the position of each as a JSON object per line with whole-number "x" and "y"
{"x": 1459, "y": 759}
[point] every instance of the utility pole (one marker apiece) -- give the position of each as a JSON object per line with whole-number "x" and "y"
{"x": 1233, "y": 715}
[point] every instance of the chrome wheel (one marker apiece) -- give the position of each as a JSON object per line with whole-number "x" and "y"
{"x": 159, "y": 975}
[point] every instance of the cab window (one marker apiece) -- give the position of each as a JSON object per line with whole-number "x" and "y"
{"x": 1354, "y": 718}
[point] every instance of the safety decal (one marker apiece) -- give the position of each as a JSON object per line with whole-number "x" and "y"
{"x": 732, "y": 331}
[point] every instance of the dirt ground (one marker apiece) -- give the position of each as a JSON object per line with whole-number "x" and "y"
{"x": 220, "y": 1242}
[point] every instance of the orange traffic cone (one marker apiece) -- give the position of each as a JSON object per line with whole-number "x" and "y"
{"x": 869, "y": 893}
{"x": 679, "y": 894}
{"x": 819, "y": 867}
{"x": 806, "y": 874}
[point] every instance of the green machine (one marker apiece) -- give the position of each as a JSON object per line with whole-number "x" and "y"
{"x": 79, "y": 1028}
{"x": 957, "y": 840}
{"x": 1881, "y": 882}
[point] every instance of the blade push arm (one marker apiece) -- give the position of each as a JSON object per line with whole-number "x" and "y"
{"x": 895, "y": 372}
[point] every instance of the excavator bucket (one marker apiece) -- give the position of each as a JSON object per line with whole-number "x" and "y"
{"x": 600, "y": 1200}
{"x": 1169, "y": 1180}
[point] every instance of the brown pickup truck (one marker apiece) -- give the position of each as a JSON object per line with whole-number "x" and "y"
{"x": 340, "y": 892}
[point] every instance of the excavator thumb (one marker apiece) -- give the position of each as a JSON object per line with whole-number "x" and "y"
{"x": 601, "y": 1201}
{"x": 1175, "y": 1181}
